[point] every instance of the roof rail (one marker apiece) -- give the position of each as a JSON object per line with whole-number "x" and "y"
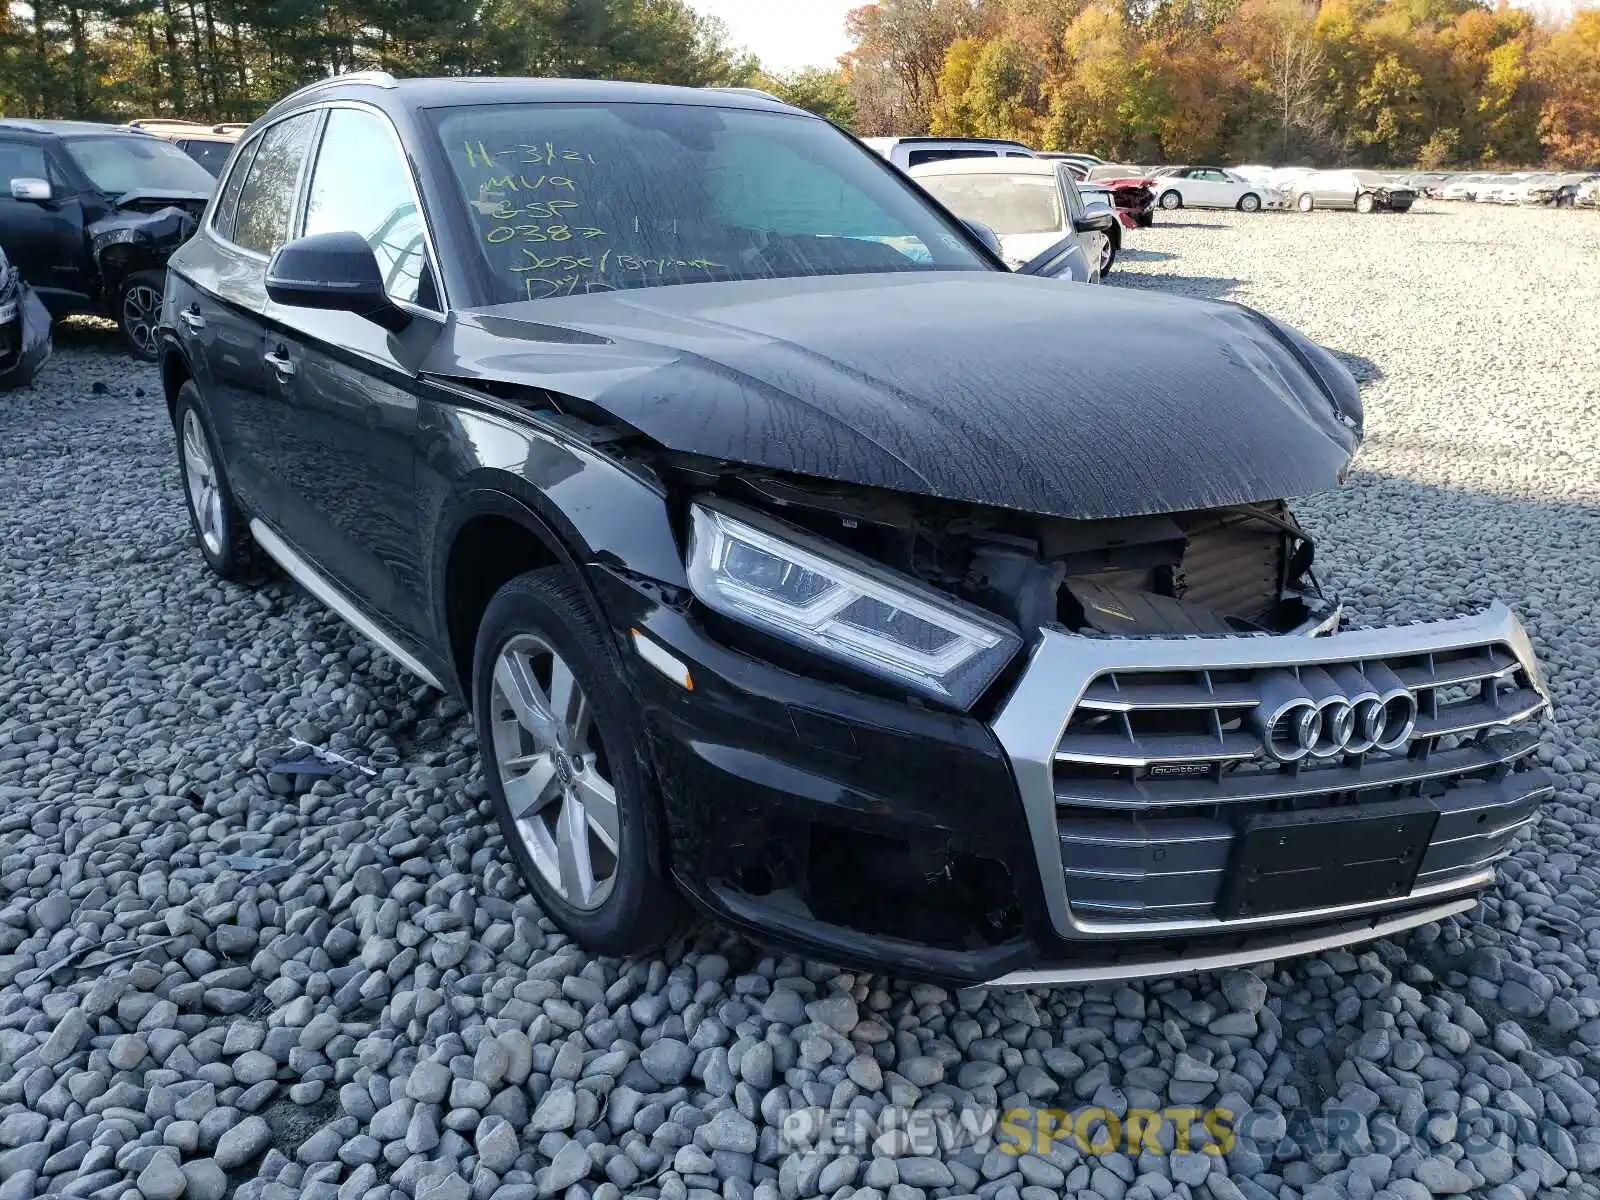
{"x": 163, "y": 122}
{"x": 376, "y": 78}
{"x": 231, "y": 127}
{"x": 746, "y": 91}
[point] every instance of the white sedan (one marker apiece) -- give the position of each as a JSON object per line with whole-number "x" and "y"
{"x": 1212, "y": 187}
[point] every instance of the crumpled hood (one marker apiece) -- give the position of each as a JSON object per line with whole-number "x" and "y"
{"x": 1024, "y": 393}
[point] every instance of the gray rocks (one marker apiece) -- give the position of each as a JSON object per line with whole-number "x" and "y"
{"x": 667, "y": 1060}
{"x": 338, "y": 989}
{"x": 242, "y": 1143}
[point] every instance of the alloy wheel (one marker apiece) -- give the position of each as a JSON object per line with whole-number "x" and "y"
{"x": 205, "y": 490}
{"x": 141, "y": 305}
{"x": 553, "y": 771}
{"x": 1106, "y": 255}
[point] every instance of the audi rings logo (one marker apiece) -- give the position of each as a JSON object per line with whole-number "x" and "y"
{"x": 1323, "y": 712}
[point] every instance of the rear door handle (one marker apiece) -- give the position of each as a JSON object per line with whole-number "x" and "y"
{"x": 192, "y": 318}
{"x": 280, "y": 362}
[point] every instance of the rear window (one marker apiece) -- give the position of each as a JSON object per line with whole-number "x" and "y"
{"x": 213, "y": 156}
{"x": 116, "y": 164}
{"x": 915, "y": 158}
{"x": 1007, "y": 204}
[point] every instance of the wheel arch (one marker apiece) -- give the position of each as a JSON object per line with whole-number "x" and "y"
{"x": 493, "y": 535}
{"x": 175, "y": 372}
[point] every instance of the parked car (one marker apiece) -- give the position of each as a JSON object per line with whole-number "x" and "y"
{"x": 1427, "y": 183}
{"x": 1359, "y": 191}
{"x": 1467, "y": 186}
{"x": 907, "y": 152}
{"x": 208, "y": 145}
{"x": 1132, "y": 192}
{"x": 897, "y": 609}
{"x": 1549, "y": 189}
{"x": 1031, "y": 204}
{"x": 1082, "y": 160}
{"x": 1587, "y": 193}
{"x": 24, "y": 329}
{"x": 89, "y": 214}
{"x": 1212, "y": 187}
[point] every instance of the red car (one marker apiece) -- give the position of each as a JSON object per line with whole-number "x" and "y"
{"x": 1132, "y": 194}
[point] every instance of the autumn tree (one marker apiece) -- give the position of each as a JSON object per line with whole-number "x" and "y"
{"x": 1569, "y": 68}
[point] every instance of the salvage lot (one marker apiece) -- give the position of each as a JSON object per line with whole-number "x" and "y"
{"x": 206, "y": 979}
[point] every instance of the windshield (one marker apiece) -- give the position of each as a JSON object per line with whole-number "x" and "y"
{"x": 1007, "y": 204}
{"x": 562, "y": 199}
{"x": 125, "y": 163}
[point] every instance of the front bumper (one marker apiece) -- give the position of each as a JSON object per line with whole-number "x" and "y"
{"x": 873, "y": 833}
{"x": 24, "y": 332}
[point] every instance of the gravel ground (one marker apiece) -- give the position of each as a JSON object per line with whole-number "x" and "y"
{"x": 214, "y": 984}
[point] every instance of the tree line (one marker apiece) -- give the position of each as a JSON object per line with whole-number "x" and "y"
{"x": 1392, "y": 82}
{"x": 229, "y": 59}
{"x": 1382, "y": 82}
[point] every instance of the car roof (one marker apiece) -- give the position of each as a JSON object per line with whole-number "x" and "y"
{"x": 1017, "y": 165}
{"x": 926, "y": 139}
{"x": 442, "y": 92}
{"x": 64, "y": 128}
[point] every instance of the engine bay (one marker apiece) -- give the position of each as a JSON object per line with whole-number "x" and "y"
{"x": 1212, "y": 572}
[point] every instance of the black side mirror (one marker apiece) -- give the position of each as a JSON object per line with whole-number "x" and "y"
{"x": 985, "y": 235}
{"x": 337, "y": 272}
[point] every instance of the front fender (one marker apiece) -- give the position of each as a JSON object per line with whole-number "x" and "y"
{"x": 125, "y": 242}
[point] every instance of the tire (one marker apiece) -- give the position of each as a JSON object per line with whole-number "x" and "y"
{"x": 137, "y": 309}
{"x": 1108, "y": 254}
{"x": 1249, "y": 202}
{"x": 220, "y": 527}
{"x": 536, "y": 625}
{"x": 1365, "y": 203}
{"x": 1305, "y": 203}
{"x": 1170, "y": 200}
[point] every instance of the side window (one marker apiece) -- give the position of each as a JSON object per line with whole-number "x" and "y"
{"x": 267, "y": 199}
{"x": 228, "y": 200}
{"x": 21, "y": 160}
{"x": 361, "y": 184}
{"x": 1074, "y": 198}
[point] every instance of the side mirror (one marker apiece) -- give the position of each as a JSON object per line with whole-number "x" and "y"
{"x": 985, "y": 235}
{"x": 32, "y": 191}
{"x": 1102, "y": 221}
{"x": 337, "y": 272}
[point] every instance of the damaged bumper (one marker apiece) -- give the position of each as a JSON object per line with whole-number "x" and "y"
{"x": 1131, "y": 808}
{"x": 24, "y": 331}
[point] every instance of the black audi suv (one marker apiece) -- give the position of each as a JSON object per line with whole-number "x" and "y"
{"x": 795, "y": 557}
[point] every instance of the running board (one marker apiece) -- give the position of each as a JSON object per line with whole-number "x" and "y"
{"x": 308, "y": 577}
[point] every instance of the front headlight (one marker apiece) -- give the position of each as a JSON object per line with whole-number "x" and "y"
{"x": 828, "y": 600}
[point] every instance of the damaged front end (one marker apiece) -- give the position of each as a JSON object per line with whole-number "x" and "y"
{"x": 140, "y": 234}
{"x": 996, "y": 654}
{"x": 1208, "y": 772}
{"x": 25, "y": 342}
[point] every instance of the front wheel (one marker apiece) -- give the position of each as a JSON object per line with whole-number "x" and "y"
{"x": 1249, "y": 202}
{"x": 563, "y": 756}
{"x": 1365, "y": 203}
{"x": 220, "y": 526}
{"x": 1305, "y": 203}
{"x": 1171, "y": 200}
{"x": 138, "y": 311}
{"x": 1108, "y": 255}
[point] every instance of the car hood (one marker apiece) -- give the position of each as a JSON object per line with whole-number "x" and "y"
{"x": 979, "y": 386}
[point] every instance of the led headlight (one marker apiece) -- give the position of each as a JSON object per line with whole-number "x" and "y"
{"x": 825, "y": 599}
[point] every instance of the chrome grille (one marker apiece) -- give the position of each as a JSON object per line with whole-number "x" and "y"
{"x": 1156, "y": 768}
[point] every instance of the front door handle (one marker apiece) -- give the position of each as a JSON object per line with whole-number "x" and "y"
{"x": 280, "y": 362}
{"x": 192, "y": 318}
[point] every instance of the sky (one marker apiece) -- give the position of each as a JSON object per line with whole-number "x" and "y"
{"x": 785, "y": 34}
